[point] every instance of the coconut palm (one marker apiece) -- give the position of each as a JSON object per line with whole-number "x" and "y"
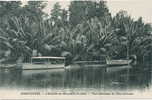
{"x": 131, "y": 34}
{"x": 101, "y": 37}
{"x": 22, "y": 36}
{"x": 91, "y": 38}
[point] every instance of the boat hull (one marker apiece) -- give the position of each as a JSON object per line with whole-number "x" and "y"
{"x": 118, "y": 68}
{"x": 118, "y": 62}
{"x": 28, "y": 66}
{"x": 42, "y": 71}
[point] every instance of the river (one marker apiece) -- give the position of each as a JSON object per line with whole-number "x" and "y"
{"x": 130, "y": 78}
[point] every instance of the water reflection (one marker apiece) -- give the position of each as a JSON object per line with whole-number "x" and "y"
{"x": 84, "y": 77}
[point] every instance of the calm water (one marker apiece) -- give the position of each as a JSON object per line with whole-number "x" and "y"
{"x": 127, "y": 78}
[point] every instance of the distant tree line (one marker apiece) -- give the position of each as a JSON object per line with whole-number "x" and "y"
{"x": 85, "y": 31}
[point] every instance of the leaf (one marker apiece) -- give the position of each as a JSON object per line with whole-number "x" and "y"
{"x": 90, "y": 47}
{"x": 8, "y": 45}
{"x": 3, "y": 38}
{"x": 108, "y": 45}
{"x": 123, "y": 38}
{"x": 103, "y": 50}
{"x": 65, "y": 54}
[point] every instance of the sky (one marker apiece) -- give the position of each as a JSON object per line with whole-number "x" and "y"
{"x": 135, "y": 8}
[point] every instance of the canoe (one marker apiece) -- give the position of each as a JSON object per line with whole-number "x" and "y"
{"x": 118, "y": 62}
{"x": 117, "y": 68}
{"x": 7, "y": 66}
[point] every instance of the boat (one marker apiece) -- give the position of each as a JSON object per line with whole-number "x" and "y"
{"x": 118, "y": 62}
{"x": 44, "y": 62}
{"x": 118, "y": 68}
{"x": 122, "y": 62}
{"x": 97, "y": 64}
{"x": 7, "y": 68}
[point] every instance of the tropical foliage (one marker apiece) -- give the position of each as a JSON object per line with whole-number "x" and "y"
{"x": 85, "y": 31}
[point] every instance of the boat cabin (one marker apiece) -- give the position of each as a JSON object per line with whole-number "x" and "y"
{"x": 47, "y": 60}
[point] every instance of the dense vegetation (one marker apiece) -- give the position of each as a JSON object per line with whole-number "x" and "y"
{"x": 85, "y": 31}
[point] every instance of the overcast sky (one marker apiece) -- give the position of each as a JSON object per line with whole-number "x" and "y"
{"x": 135, "y": 8}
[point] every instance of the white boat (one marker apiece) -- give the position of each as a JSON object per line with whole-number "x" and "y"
{"x": 118, "y": 62}
{"x": 45, "y": 62}
{"x": 118, "y": 68}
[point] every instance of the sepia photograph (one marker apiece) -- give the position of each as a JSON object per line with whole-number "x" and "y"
{"x": 76, "y": 48}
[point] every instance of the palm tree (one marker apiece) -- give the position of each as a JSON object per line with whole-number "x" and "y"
{"x": 12, "y": 39}
{"x": 22, "y": 36}
{"x": 131, "y": 34}
{"x": 91, "y": 38}
{"x": 101, "y": 36}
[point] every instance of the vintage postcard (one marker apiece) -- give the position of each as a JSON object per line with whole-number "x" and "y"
{"x": 76, "y": 50}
